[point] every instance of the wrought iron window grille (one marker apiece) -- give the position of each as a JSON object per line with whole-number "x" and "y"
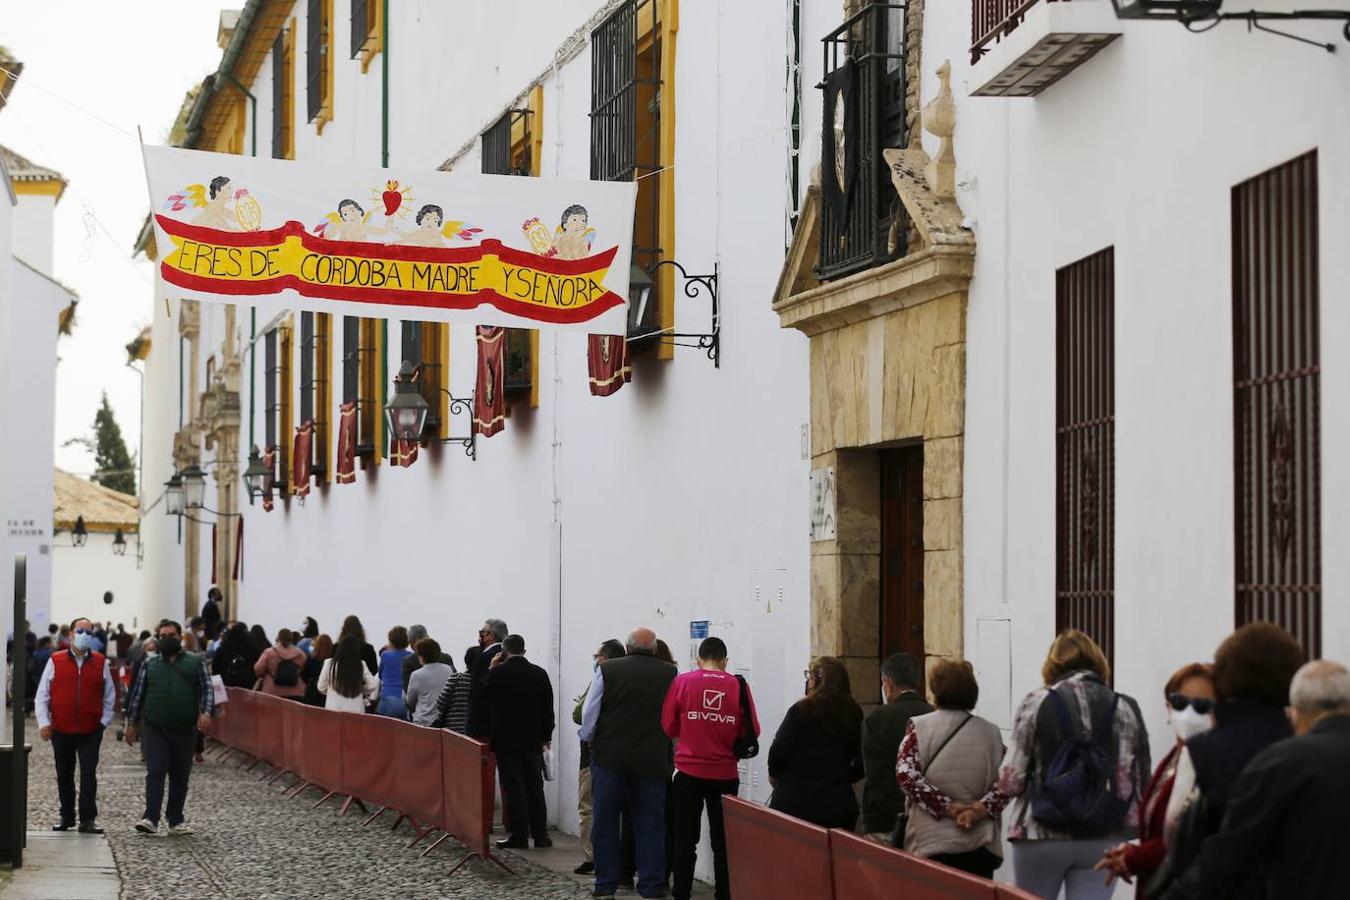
{"x": 1199, "y": 16}
{"x": 497, "y": 144}
{"x": 868, "y": 225}
{"x": 709, "y": 342}
{"x": 312, "y": 377}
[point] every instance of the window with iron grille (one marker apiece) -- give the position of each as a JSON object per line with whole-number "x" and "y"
{"x": 422, "y": 345}
{"x": 358, "y": 378}
{"x": 1276, "y": 402}
{"x": 281, "y": 96}
{"x": 314, "y": 396}
{"x": 862, "y": 222}
{"x": 276, "y": 349}
{"x": 318, "y": 45}
{"x": 361, "y": 29}
{"x": 626, "y": 127}
{"x": 507, "y": 145}
{"x": 519, "y": 362}
{"x": 1085, "y": 416}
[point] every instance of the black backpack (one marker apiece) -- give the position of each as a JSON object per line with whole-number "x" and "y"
{"x": 239, "y": 673}
{"x": 747, "y": 744}
{"x": 1075, "y": 792}
{"x": 287, "y": 674}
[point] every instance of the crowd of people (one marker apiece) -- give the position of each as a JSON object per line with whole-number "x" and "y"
{"x": 1245, "y": 802}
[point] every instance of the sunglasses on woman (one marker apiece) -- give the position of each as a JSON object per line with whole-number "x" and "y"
{"x": 1203, "y": 705}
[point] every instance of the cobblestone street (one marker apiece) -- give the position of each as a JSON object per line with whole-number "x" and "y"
{"x": 251, "y": 843}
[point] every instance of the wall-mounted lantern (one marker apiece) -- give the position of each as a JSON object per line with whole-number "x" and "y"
{"x": 119, "y": 543}
{"x": 79, "y": 536}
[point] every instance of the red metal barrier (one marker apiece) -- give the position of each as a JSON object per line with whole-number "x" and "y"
{"x": 321, "y": 749}
{"x": 271, "y": 731}
{"x": 368, "y": 769}
{"x": 770, "y": 855}
{"x": 866, "y": 870}
{"x": 1008, "y": 892}
{"x": 468, "y": 783}
{"x": 418, "y": 794}
{"x": 293, "y": 721}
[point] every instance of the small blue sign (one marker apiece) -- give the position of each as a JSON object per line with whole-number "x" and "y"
{"x": 698, "y": 629}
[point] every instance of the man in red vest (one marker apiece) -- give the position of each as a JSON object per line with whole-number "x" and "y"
{"x": 75, "y": 700}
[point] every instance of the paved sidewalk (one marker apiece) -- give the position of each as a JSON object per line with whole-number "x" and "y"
{"x": 63, "y": 867}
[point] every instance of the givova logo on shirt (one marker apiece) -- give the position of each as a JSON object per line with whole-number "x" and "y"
{"x": 712, "y": 709}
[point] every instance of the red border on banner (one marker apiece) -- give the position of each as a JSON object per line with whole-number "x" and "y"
{"x": 389, "y": 296}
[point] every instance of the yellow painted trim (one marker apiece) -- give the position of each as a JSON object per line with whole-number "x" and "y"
{"x": 536, "y": 129}
{"x": 445, "y": 379}
{"x": 375, "y": 43}
{"x": 670, "y": 24}
{"x": 286, "y": 389}
{"x": 534, "y": 368}
{"x": 323, "y": 399}
{"x": 288, "y": 72}
{"x": 47, "y": 187}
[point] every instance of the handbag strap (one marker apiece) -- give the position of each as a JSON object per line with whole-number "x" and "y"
{"x": 747, "y": 724}
{"x": 948, "y": 740}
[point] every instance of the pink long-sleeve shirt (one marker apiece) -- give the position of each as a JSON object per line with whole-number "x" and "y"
{"x": 703, "y": 712}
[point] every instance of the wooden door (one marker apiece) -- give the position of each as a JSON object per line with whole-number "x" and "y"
{"x": 902, "y": 551}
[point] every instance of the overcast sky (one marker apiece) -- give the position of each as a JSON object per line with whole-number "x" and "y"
{"x": 129, "y": 65}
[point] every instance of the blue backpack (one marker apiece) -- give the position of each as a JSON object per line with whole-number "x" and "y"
{"x": 1075, "y": 792}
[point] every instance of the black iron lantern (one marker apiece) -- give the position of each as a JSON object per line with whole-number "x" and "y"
{"x": 194, "y": 486}
{"x": 642, "y": 310}
{"x": 120, "y": 543}
{"x": 1180, "y": 10}
{"x": 257, "y": 477}
{"x": 174, "y": 496}
{"x": 407, "y": 410}
{"x": 80, "y": 535}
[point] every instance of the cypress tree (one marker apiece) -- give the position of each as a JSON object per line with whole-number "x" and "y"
{"x": 112, "y": 463}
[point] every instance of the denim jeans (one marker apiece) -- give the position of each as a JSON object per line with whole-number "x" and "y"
{"x": 646, "y": 800}
{"x": 167, "y": 752}
{"x": 393, "y": 707}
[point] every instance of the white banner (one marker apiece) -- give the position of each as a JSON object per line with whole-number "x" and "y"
{"x": 393, "y": 243}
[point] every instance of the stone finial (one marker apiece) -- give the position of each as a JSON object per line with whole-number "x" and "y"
{"x": 939, "y": 119}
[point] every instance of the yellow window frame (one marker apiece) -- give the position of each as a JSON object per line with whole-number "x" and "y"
{"x": 326, "y": 110}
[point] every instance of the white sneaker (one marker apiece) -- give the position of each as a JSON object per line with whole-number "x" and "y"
{"x": 145, "y": 826}
{"x": 182, "y": 828}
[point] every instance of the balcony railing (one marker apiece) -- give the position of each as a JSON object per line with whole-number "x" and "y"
{"x": 992, "y": 20}
{"x": 872, "y": 228}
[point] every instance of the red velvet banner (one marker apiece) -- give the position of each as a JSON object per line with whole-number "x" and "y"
{"x": 346, "y": 446}
{"x": 302, "y": 459}
{"x": 607, "y": 360}
{"x": 270, "y": 461}
{"x": 489, "y": 394}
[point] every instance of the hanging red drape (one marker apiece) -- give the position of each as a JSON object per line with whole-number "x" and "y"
{"x": 302, "y": 458}
{"x": 346, "y": 447}
{"x": 489, "y": 395}
{"x": 607, "y": 359}
{"x": 403, "y": 453}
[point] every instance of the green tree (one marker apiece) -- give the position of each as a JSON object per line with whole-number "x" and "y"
{"x": 113, "y": 465}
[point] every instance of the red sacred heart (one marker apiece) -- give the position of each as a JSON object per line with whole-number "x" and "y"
{"x": 392, "y": 201}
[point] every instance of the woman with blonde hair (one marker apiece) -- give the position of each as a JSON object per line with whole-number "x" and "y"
{"x": 1073, "y": 773}
{"x": 816, "y": 756}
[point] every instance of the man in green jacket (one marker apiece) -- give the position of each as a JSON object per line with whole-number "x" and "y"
{"x": 171, "y": 699}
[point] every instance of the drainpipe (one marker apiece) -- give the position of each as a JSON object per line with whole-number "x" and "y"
{"x": 253, "y": 105}
{"x": 384, "y": 163}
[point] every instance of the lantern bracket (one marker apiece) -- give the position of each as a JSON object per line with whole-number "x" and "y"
{"x": 710, "y": 342}
{"x": 459, "y": 405}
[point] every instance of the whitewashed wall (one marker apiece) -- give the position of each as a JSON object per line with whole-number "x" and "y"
{"x": 80, "y": 575}
{"x": 1138, "y": 149}
{"x": 681, "y": 497}
{"x": 33, "y": 234}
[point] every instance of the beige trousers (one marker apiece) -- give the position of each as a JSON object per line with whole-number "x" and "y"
{"x": 585, "y": 810}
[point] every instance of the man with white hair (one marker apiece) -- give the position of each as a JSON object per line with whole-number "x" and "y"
{"x": 1284, "y": 829}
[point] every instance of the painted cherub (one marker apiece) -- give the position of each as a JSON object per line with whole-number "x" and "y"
{"x": 217, "y": 212}
{"x": 349, "y": 223}
{"x": 573, "y": 238}
{"x": 433, "y": 231}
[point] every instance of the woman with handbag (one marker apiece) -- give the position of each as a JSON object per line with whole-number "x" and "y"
{"x": 947, "y": 762}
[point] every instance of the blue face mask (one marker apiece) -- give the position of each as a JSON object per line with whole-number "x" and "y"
{"x": 82, "y": 641}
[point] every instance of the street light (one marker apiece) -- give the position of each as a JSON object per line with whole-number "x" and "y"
{"x": 1166, "y": 9}
{"x": 80, "y": 534}
{"x": 407, "y": 410}
{"x": 257, "y": 476}
{"x": 641, "y": 309}
{"x": 174, "y": 496}
{"x": 120, "y": 543}
{"x": 194, "y": 486}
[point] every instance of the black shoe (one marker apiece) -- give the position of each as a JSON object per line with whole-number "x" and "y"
{"x": 64, "y": 826}
{"x": 600, "y": 896}
{"x": 586, "y": 868}
{"x": 90, "y": 828}
{"x": 543, "y": 843}
{"x": 513, "y": 844}
{"x": 626, "y": 884}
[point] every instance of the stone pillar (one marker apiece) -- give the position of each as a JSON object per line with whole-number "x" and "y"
{"x": 187, "y": 452}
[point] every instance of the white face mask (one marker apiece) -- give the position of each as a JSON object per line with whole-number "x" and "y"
{"x": 1188, "y": 723}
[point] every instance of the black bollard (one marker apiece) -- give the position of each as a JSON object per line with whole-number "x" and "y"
{"x": 18, "y": 760}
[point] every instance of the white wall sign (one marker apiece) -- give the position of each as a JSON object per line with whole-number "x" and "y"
{"x": 822, "y": 504}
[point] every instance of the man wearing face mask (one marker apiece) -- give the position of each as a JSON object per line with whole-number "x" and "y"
{"x": 75, "y": 700}
{"x": 172, "y": 697}
{"x": 1190, "y": 699}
